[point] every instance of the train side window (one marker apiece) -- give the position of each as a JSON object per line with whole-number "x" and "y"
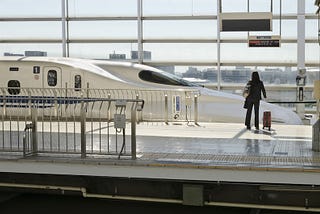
{"x": 14, "y": 87}
{"x": 77, "y": 82}
{"x": 52, "y": 77}
{"x": 162, "y": 78}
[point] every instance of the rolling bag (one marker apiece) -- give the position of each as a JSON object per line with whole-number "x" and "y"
{"x": 267, "y": 120}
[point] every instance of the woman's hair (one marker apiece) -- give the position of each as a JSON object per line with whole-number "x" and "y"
{"x": 255, "y": 77}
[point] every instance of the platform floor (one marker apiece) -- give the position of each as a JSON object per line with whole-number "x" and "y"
{"x": 226, "y": 144}
{"x": 206, "y": 152}
{"x": 218, "y": 144}
{"x": 227, "y": 160}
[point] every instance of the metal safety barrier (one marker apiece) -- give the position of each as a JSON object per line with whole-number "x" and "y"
{"x": 86, "y": 122}
{"x": 67, "y": 125}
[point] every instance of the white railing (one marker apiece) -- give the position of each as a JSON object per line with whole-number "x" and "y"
{"x": 85, "y": 122}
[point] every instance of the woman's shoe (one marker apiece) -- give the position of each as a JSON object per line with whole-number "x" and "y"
{"x": 248, "y": 127}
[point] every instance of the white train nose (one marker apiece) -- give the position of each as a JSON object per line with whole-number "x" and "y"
{"x": 280, "y": 114}
{"x": 216, "y": 106}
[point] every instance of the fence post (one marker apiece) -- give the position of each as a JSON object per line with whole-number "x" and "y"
{"x": 55, "y": 103}
{"x": 137, "y": 116}
{"x": 29, "y": 103}
{"x": 4, "y": 103}
{"x": 166, "y": 108}
{"x": 83, "y": 128}
{"x": 196, "y": 109}
{"x": 133, "y": 134}
{"x": 34, "y": 115}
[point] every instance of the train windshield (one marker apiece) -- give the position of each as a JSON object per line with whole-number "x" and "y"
{"x": 163, "y": 78}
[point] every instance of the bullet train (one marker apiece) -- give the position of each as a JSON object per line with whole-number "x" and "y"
{"x": 77, "y": 74}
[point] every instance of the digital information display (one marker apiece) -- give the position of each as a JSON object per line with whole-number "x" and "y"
{"x": 264, "y": 41}
{"x": 246, "y": 25}
{"x": 247, "y": 21}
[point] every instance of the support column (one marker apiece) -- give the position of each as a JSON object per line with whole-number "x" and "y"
{"x": 63, "y": 23}
{"x": 300, "y": 108}
{"x": 218, "y": 45}
{"x": 140, "y": 33}
{"x": 301, "y": 34}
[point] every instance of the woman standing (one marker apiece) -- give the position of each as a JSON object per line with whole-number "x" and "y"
{"x": 253, "y": 99}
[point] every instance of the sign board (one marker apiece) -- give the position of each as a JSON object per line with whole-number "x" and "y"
{"x": 253, "y": 21}
{"x": 264, "y": 41}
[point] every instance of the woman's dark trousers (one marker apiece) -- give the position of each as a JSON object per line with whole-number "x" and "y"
{"x": 256, "y": 105}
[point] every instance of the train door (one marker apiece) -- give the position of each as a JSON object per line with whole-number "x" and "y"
{"x": 52, "y": 77}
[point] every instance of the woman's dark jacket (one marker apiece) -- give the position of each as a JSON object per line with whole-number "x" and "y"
{"x": 255, "y": 91}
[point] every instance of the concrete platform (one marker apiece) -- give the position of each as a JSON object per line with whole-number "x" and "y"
{"x": 285, "y": 146}
{"x": 225, "y": 163}
{"x": 209, "y": 151}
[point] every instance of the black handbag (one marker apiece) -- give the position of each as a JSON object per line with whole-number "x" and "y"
{"x": 245, "y": 105}
{"x": 246, "y": 90}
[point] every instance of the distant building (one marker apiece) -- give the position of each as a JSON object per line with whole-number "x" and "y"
{"x": 192, "y": 72}
{"x": 35, "y": 53}
{"x": 210, "y": 74}
{"x": 115, "y": 56}
{"x": 168, "y": 68}
{"x": 207, "y": 74}
{"x": 238, "y": 75}
{"x": 11, "y": 54}
{"x": 146, "y": 55}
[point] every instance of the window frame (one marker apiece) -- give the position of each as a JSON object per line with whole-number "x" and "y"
{"x": 77, "y": 82}
{"x": 14, "y": 87}
{"x": 52, "y": 81}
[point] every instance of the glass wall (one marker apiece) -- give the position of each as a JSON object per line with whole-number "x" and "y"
{"x": 180, "y": 29}
{"x": 181, "y": 36}
{"x": 101, "y": 8}
{"x": 96, "y": 30}
{"x": 100, "y": 50}
{"x": 36, "y": 30}
{"x": 179, "y": 7}
{"x": 30, "y": 8}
